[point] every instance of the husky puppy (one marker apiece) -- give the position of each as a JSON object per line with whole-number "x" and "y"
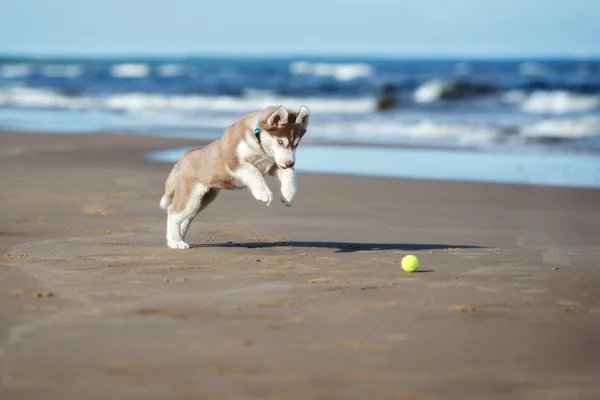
{"x": 259, "y": 143}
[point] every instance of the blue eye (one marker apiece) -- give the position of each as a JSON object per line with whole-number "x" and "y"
{"x": 280, "y": 142}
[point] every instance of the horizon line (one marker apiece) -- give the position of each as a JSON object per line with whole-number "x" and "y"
{"x": 319, "y": 55}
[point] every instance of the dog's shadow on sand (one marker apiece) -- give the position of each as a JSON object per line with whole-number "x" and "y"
{"x": 340, "y": 247}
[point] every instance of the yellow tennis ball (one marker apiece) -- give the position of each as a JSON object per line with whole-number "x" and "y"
{"x": 410, "y": 263}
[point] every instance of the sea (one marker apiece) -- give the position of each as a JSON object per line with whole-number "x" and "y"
{"x": 512, "y": 108}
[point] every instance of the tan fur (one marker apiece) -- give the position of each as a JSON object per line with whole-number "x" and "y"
{"x": 214, "y": 166}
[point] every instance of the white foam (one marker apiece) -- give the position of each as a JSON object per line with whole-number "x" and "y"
{"x": 251, "y": 92}
{"x": 514, "y": 97}
{"x": 137, "y": 102}
{"x": 301, "y": 68}
{"x": 430, "y": 91}
{"x": 141, "y": 102}
{"x": 424, "y": 129}
{"x": 563, "y": 128}
{"x": 154, "y": 103}
{"x": 558, "y": 102}
{"x": 37, "y": 98}
{"x": 130, "y": 70}
{"x": 15, "y": 70}
{"x": 341, "y": 72}
{"x": 61, "y": 71}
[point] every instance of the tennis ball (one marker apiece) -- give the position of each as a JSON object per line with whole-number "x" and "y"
{"x": 410, "y": 263}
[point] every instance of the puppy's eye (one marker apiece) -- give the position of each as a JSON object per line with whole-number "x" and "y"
{"x": 280, "y": 142}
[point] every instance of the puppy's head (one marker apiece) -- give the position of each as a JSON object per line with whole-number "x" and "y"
{"x": 284, "y": 129}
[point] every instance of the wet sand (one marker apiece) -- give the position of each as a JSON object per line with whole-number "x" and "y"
{"x": 301, "y": 303}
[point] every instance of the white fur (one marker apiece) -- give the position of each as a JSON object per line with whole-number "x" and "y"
{"x": 250, "y": 151}
{"x": 254, "y": 164}
{"x": 287, "y": 178}
{"x": 283, "y": 156}
{"x": 253, "y": 179}
{"x": 165, "y": 202}
{"x": 178, "y": 224}
{"x": 281, "y": 153}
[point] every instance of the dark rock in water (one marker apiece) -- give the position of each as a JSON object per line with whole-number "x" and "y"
{"x": 386, "y": 104}
{"x": 387, "y": 97}
{"x": 464, "y": 89}
{"x": 69, "y": 92}
{"x": 536, "y": 85}
{"x": 546, "y": 140}
{"x": 388, "y": 89}
{"x": 510, "y": 131}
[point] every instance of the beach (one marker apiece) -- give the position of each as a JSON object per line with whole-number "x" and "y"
{"x": 307, "y": 302}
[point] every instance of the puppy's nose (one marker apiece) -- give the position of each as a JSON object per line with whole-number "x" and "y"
{"x": 289, "y": 164}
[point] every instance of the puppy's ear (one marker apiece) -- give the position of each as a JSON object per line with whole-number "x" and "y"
{"x": 278, "y": 119}
{"x": 303, "y": 117}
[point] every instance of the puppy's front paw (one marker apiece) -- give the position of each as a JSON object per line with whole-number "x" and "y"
{"x": 266, "y": 196}
{"x": 288, "y": 194}
{"x": 287, "y": 202}
{"x": 178, "y": 245}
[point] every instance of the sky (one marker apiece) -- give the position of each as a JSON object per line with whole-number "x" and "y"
{"x": 430, "y": 28}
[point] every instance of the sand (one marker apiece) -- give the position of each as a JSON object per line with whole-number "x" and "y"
{"x": 308, "y": 302}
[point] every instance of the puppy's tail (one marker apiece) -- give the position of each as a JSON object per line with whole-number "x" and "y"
{"x": 166, "y": 200}
{"x": 169, "y": 191}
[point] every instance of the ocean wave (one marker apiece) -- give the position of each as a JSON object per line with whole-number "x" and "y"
{"x": 552, "y": 102}
{"x": 24, "y": 97}
{"x": 130, "y": 70}
{"x": 61, "y": 71}
{"x": 534, "y": 69}
{"x": 436, "y": 89}
{"x": 464, "y": 133}
{"x": 172, "y": 70}
{"x": 429, "y": 92}
{"x": 258, "y": 93}
{"x": 10, "y": 71}
{"x": 564, "y": 128}
{"x": 147, "y": 103}
{"x": 341, "y": 72}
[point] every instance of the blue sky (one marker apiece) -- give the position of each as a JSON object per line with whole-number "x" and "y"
{"x": 370, "y": 27}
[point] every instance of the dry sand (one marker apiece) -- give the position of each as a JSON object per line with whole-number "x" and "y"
{"x": 275, "y": 303}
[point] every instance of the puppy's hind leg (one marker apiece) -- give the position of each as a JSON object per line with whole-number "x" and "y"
{"x": 185, "y": 206}
{"x": 210, "y": 195}
{"x": 185, "y": 226}
{"x": 174, "y": 239}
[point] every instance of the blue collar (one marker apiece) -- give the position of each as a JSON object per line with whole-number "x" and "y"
{"x": 257, "y": 130}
